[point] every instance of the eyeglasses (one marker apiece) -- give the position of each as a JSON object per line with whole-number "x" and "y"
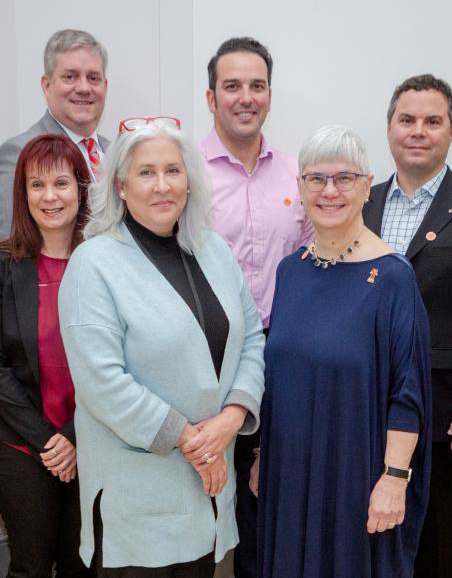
{"x": 137, "y": 122}
{"x": 344, "y": 181}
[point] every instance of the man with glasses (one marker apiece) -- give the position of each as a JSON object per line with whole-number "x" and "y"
{"x": 256, "y": 209}
{"x": 75, "y": 87}
{"x": 412, "y": 211}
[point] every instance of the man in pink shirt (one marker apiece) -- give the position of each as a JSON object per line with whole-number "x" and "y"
{"x": 255, "y": 208}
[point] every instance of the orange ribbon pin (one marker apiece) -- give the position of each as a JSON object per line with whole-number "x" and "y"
{"x": 372, "y": 274}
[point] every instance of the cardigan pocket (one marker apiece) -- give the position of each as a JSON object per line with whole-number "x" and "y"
{"x": 151, "y": 484}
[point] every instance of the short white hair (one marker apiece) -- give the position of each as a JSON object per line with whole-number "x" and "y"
{"x": 108, "y": 210}
{"x": 334, "y": 143}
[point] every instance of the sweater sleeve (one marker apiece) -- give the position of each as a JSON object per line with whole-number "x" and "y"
{"x": 248, "y": 386}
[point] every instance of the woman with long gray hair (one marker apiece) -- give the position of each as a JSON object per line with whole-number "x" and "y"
{"x": 165, "y": 349}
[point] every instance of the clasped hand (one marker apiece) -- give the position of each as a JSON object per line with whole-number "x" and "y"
{"x": 60, "y": 457}
{"x": 204, "y": 445}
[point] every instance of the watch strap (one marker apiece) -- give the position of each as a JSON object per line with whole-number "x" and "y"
{"x": 398, "y": 473}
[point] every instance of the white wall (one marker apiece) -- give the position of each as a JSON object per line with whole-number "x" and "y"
{"x": 335, "y": 61}
{"x": 148, "y": 73}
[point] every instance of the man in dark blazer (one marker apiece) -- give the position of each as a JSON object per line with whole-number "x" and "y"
{"x": 75, "y": 87}
{"x": 412, "y": 212}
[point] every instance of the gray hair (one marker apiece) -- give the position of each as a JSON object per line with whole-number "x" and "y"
{"x": 334, "y": 143}
{"x": 107, "y": 209}
{"x": 69, "y": 39}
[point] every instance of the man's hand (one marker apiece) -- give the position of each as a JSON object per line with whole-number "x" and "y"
{"x": 449, "y": 432}
{"x": 254, "y": 477}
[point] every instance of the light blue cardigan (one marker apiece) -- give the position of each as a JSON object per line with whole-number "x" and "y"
{"x": 141, "y": 368}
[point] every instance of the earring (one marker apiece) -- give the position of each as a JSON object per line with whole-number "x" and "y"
{"x": 188, "y": 190}
{"x": 121, "y": 195}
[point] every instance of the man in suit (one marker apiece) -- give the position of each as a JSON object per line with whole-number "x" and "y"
{"x": 75, "y": 87}
{"x": 412, "y": 211}
{"x": 256, "y": 209}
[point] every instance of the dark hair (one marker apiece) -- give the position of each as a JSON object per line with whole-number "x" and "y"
{"x": 421, "y": 82}
{"x": 242, "y": 44}
{"x": 45, "y": 152}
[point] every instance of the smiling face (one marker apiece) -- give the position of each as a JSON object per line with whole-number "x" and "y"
{"x": 331, "y": 208}
{"x": 53, "y": 199}
{"x": 76, "y": 90}
{"x": 242, "y": 96}
{"x": 155, "y": 190}
{"x": 420, "y": 132}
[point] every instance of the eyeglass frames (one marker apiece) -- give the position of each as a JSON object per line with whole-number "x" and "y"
{"x": 343, "y": 181}
{"x": 137, "y": 122}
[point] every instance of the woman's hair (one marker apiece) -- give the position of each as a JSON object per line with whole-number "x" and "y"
{"x": 44, "y": 153}
{"x": 108, "y": 210}
{"x": 334, "y": 143}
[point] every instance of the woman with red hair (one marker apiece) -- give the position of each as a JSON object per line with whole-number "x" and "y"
{"x": 39, "y": 496}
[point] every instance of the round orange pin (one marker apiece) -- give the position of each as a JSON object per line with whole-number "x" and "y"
{"x": 287, "y": 201}
{"x": 430, "y": 236}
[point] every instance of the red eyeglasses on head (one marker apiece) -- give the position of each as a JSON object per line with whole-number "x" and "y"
{"x": 137, "y": 122}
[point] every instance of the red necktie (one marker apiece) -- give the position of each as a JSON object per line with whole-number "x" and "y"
{"x": 94, "y": 159}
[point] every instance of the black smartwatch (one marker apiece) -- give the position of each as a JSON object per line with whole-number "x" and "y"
{"x": 404, "y": 474}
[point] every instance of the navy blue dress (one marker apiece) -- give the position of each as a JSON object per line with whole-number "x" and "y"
{"x": 347, "y": 359}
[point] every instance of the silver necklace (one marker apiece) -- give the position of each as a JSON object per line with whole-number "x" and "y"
{"x": 319, "y": 262}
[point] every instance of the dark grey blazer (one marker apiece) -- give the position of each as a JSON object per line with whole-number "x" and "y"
{"x": 9, "y": 153}
{"x": 432, "y": 264}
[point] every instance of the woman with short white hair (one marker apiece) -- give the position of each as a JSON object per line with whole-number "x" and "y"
{"x": 165, "y": 349}
{"x": 345, "y": 461}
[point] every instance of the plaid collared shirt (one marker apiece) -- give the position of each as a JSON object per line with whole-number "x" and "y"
{"x": 402, "y": 215}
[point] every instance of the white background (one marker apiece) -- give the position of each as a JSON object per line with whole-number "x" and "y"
{"x": 335, "y": 62}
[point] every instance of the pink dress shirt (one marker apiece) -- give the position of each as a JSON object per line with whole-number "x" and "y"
{"x": 259, "y": 214}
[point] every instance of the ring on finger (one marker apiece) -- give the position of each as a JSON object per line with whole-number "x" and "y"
{"x": 208, "y": 458}
{"x": 55, "y": 453}
{"x": 391, "y": 525}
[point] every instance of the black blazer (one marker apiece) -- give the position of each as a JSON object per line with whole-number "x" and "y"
{"x": 21, "y": 419}
{"x": 432, "y": 263}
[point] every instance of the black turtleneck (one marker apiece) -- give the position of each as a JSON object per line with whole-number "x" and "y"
{"x": 165, "y": 254}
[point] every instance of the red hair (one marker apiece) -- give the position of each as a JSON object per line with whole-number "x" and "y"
{"x": 44, "y": 153}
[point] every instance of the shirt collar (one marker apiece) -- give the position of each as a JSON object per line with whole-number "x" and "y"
{"x": 75, "y": 138}
{"x": 215, "y": 149}
{"x": 429, "y": 187}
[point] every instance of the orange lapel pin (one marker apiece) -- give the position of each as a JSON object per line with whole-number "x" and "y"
{"x": 372, "y": 274}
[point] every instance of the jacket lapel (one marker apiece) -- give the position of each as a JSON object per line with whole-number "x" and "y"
{"x": 25, "y": 286}
{"x": 50, "y": 125}
{"x": 373, "y": 210}
{"x": 436, "y": 218}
